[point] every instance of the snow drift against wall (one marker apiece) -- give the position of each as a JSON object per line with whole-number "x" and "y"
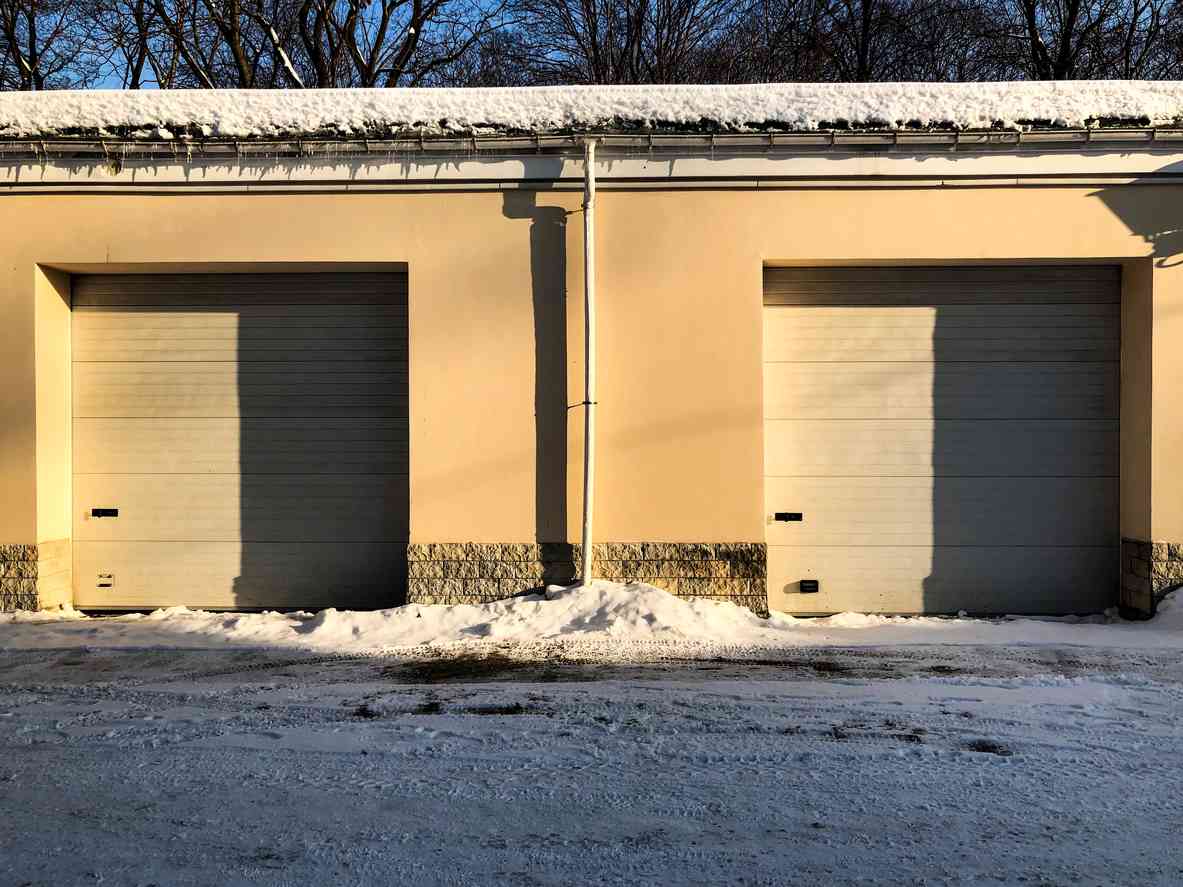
{"x": 783, "y": 107}
{"x": 607, "y": 620}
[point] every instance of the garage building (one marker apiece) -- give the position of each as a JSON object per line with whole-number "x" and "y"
{"x": 338, "y": 361}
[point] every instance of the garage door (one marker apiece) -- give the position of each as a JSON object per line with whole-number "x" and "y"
{"x": 240, "y": 440}
{"x": 942, "y": 439}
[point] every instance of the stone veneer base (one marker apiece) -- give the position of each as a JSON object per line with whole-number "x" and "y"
{"x": 478, "y": 572}
{"x": 34, "y": 576}
{"x": 1149, "y": 570}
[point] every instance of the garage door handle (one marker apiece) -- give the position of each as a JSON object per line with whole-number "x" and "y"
{"x": 104, "y": 512}
{"x": 788, "y": 516}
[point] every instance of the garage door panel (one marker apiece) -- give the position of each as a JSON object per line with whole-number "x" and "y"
{"x": 251, "y": 428}
{"x": 957, "y": 391}
{"x": 964, "y": 333}
{"x": 189, "y": 291}
{"x": 273, "y": 575}
{"x": 876, "y": 511}
{"x": 196, "y": 318}
{"x": 1013, "y": 316}
{"x": 239, "y": 336}
{"x": 940, "y": 447}
{"x": 226, "y": 507}
{"x": 228, "y": 389}
{"x": 313, "y": 445}
{"x": 922, "y": 579}
{"x": 950, "y": 435}
{"x": 95, "y": 323}
{"x": 943, "y": 285}
{"x": 360, "y": 348}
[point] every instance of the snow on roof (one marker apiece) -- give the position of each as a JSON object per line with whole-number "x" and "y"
{"x": 556, "y": 109}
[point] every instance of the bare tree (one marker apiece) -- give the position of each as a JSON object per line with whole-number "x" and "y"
{"x": 1134, "y": 44}
{"x": 212, "y": 43}
{"x": 948, "y": 43}
{"x": 772, "y": 40}
{"x": 625, "y": 41}
{"x": 1072, "y": 39}
{"x": 389, "y": 42}
{"x": 135, "y": 42}
{"x": 381, "y": 43}
{"x": 860, "y": 36}
{"x": 583, "y": 41}
{"x": 501, "y": 58}
{"x": 45, "y": 44}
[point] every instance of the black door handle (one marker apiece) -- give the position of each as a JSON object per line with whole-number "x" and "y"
{"x": 788, "y": 516}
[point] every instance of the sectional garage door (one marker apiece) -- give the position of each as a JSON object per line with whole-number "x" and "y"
{"x": 240, "y": 440}
{"x": 942, "y": 438}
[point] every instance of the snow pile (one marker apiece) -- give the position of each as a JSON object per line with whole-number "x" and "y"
{"x": 781, "y": 106}
{"x": 602, "y": 611}
{"x": 1170, "y": 612}
{"x": 607, "y": 611}
{"x": 610, "y": 619}
{"x": 64, "y": 613}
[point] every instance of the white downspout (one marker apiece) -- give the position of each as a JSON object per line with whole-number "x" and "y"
{"x": 589, "y": 347}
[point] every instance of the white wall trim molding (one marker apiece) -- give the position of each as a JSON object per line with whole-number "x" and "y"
{"x": 1061, "y": 168}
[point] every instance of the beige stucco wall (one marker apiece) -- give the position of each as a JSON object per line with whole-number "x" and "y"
{"x": 1137, "y": 374}
{"x": 1166, "y": 447}
{"x": 696, "y": 259}
{"x": 680, "y": 315}
{"x": 51, "y": 319}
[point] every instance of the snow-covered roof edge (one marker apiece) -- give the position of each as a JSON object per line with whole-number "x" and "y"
{"x": 783, "y": 107}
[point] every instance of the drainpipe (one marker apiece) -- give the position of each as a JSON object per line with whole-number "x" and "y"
{"x": 589, "y": 348}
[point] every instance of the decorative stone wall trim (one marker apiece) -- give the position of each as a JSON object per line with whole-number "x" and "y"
{"x": 18, "y": 577}
{"x": 26, "y": 570}
{"x": 1149, "y": 571}
{"x": 478, "y": 572}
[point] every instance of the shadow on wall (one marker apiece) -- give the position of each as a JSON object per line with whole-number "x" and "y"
{"x": 1025, "y": 396}
{"x": 548, "y": 282}
{"x": 322, "y": 390}
{"x": 1158, "y": 222}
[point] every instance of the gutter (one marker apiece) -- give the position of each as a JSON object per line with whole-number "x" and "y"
{"x": 616, "y": 144}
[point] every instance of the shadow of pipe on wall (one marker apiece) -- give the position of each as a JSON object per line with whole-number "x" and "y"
{"x": 548, "y": 289}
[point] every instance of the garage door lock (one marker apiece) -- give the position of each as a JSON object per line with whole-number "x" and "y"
{"x": 104, "y": 512}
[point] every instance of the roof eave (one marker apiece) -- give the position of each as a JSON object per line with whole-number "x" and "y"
{"x": 665, "y": 143}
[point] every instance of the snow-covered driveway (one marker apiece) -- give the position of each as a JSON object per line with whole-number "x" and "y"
{"x": 924, "y": 764}
{"x": 610, "y": 734}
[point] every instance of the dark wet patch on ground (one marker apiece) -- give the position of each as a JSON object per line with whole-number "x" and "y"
{"x": 828, "y": 666}
{"x": 989, "y": 747}
{"x": 513, "y": 708}
{"x": 475, "y": 668}
{"x": 945, "y": 669}
{"x": 225, "y": 670}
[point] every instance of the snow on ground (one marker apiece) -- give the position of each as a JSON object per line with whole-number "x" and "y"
{"x": 507, "y": 747}
{"x": 783, "y": 106}
{"x": 606, "y": 620}
{"x": 117, "y": 768}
